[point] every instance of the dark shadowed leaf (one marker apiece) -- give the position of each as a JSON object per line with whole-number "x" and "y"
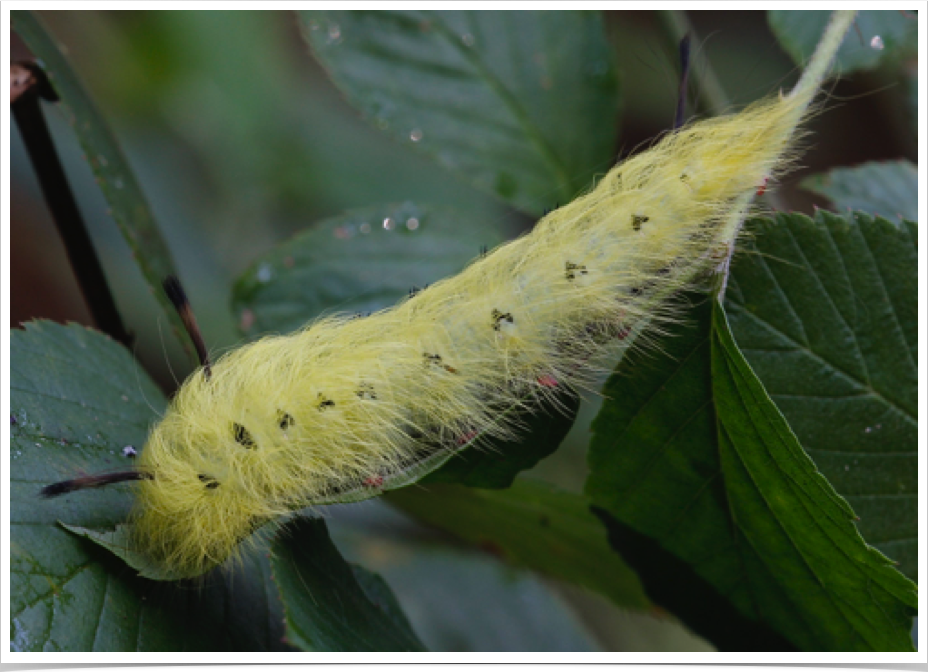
{"x": 506, "y": 98}
{"x": 494, "y": 462}
{"x": 330, "y": 605}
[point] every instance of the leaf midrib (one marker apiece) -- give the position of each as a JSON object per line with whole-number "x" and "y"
{"x": 512, "y": 104}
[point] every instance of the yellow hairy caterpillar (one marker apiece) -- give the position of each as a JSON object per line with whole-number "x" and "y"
{"x": 290, "y": 421}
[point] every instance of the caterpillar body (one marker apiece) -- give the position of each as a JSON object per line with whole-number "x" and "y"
{"x": 289, "y": 420}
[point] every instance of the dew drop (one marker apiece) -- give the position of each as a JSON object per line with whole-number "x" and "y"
{"x": 868, "y": 430}
{"x": 388, "y": 224}
{"x": 335, "y": 31}
{"x": 365, "y": 228}
{"x": 467, "y": 40}
{"x": 877, "y": 43}
{"x": 415, "y": 134}
{"x": 264, "y": 273}
{"x": 412, "y": 223}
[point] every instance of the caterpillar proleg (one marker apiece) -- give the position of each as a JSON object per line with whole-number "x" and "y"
{"x": 288, "y": 421}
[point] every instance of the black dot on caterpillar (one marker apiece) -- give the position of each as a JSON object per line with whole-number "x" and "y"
{"x": 243, "y": 436}
{"x": 436, "y": 360}
{"x": 638, "y": 220}
{"x": 573, "y": 270}
{"x": 284, "y": 420}
{"x": 208, "y": 482}
{"x": 500, "y": 317}
{"x": 366, "y": 391}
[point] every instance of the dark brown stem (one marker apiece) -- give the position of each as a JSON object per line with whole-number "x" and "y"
{"x": 178, "y": 297}
{"x": 680, "y": 116}
{"x": 27, "y": 110}
{"x": 95, "y": 481}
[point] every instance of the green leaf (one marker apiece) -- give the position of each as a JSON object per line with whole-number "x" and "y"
{"x": 656, "y": 479}
{"x": 362, "y": 261}
{"x": 826, "y": 312}
{"x": 127, "y": 203}
{"x": 698, "y": 463}
{"x": 799, "y": 31}
{"x": 76, "y": 399}
{"x": 887, "y": 188}
{"x": 330, "y": 605}
{"x": 504, "y": 98}
{"x": 859, "y": 601}
{"x": 533, "y": 525}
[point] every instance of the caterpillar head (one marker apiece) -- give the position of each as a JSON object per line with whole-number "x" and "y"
{"x": 192, "y": 513}
{"x": 223, "y": 461}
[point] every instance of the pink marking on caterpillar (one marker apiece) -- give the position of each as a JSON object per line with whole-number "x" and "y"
{"x": 467, "y": 437}
{"x": 762, "y": 188}
{"x": 374, "y": 481}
